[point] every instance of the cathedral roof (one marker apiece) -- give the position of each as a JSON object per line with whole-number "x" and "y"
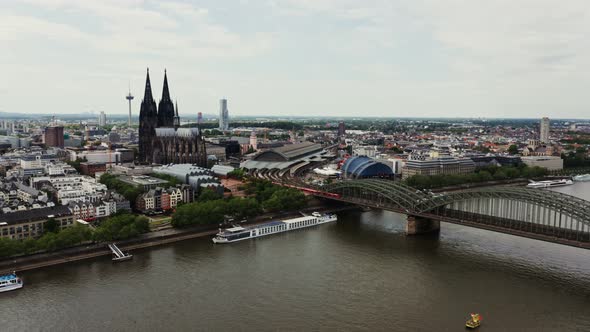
{"x": 165, "y": 132}
{"x": 180, "y": 132}
{"x": 187, "y": 132}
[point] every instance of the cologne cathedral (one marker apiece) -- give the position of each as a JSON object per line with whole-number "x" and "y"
{"x": 161, "y": 140}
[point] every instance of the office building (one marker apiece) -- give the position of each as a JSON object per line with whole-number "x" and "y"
{"x": 444, "y": 165}
{"x": 223, "y": 115}
{"x": 544, "y": 131}
{"x": 549, "y": 162}
{"x": 30, "y": 223}
{"x": 341, "y": 129}
{"x": 54, "y": 136}
{"x": 102, "y": 119}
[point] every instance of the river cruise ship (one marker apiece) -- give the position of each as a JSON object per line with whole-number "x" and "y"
{"x": 550, "y": 183}
{"x": 10, "y": 282}
{"x": 238, "y": 233}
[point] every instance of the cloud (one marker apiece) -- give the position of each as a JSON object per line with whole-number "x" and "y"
{"x": 511, "y": 36}
{"x": 17, "y": 27}
{"x": 143, "y": 27}
{"x": 394, "y": 57}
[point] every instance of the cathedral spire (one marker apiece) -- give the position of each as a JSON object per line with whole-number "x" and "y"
{"x": 176, "y": 117}
{"x": 147, "y": 95}
{"x": 148, "y": 120}
{"x": 165, "y": 91}
{"x": 166, "y": 107}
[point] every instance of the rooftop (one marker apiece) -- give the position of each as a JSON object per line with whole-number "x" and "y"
{"x": 142, "y": 180}
{"x": 289, "y": 152}
{"x": 20, "y": 217}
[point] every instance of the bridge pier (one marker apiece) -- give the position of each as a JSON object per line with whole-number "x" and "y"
{"x": 420, "y": 225}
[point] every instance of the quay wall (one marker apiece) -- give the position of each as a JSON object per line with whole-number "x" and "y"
{"x": 93, "y": 250}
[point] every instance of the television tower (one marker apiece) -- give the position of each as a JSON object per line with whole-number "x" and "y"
{"x": 129, "y": 97}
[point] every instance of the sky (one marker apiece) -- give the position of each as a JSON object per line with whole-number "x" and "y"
{"x": 390, "y": 58}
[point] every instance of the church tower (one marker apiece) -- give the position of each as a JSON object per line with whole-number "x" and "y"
{"x": 148, "y": 121}
{"x": 166, "y": 107}
{"x": 176, "y": 117}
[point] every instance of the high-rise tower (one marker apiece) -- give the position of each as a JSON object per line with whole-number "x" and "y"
{"x": 102, "y": 119}
{"x": 129, "y": 98}
{"x": 223, "y": 115}
{"x": 165, "y": 107}
{"x": 341, "y": 129}
{"x": 544, "y": 130}
{"x": 148, "y": 121}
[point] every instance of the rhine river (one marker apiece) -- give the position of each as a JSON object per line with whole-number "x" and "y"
{"x": 359, "y": 274}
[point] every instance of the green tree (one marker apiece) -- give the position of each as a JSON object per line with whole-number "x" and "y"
{"x": 199, "y": 213}
{"x": 238, "y": 173}
{"x": 76, "y": 163}
{"x": 51, "y": 226}
{"x": 50, "y": 241}
{"x": 208, "y": 194}
{"x": 397, "y": 149}
{"x": 241, "y": 208}
{"x": 513, "y": 149}
{"x": 120, "y": 227}
{"x": 130, "y": 192}
{"x": 500, "y": 175}
{"x": 285, "y": 199}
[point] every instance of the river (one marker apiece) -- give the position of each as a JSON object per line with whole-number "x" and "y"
{"x": 359, "y": 274}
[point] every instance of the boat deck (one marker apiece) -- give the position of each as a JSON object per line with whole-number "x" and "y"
{"x": 8, "y": 277}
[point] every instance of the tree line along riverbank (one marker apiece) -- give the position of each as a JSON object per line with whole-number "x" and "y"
{"x": 147, "y": 240}
{"x": 209, "y": 209}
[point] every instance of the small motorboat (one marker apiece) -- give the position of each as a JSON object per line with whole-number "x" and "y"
{"x": 474, "y": 321}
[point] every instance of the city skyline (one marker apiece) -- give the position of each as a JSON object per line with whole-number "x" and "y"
{"x": 338, "y": 58}
{"x": 302, "y": 165}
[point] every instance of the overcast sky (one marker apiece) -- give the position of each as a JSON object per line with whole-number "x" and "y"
{"x": 466, "y": 58}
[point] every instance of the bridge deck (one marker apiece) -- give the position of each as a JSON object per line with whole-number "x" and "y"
{"x": 533, "y": 213}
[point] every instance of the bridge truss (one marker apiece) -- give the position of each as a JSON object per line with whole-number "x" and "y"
{"x": 535, "y": 213}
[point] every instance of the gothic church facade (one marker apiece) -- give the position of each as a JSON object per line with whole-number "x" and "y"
{"x": 161, "y": 140}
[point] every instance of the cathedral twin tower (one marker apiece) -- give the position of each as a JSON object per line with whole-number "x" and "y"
{"x": 161, "y": 140}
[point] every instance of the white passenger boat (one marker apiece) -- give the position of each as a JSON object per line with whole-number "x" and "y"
{"x": 238, "y": 233}
{"x": 550, "y": 183}
{"x": 582, "y": 178}
{"x": 10, "y": 282}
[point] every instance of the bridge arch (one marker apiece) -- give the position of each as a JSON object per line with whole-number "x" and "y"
{"x": 539, "y": 211}
{"x": 571, "y": 206}
{"x": 377, "y": 191}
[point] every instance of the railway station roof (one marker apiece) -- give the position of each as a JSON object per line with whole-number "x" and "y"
{"x": 289, "y": 152}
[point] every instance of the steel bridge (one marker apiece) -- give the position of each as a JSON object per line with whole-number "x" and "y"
{"x": 534, "y": 213}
